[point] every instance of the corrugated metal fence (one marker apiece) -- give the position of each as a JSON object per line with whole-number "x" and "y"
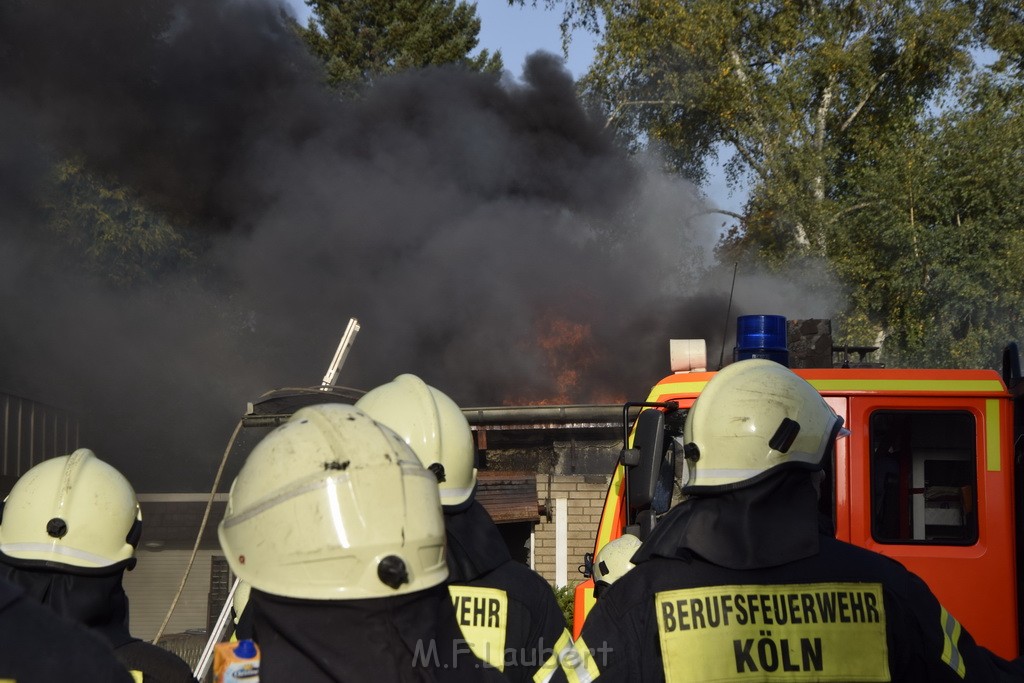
{"x": 32, "y": 432}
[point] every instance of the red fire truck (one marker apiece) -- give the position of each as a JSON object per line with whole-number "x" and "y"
{"x": 928, "y": 476}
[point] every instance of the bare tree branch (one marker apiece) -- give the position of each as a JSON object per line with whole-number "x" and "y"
{"x": 721, "y": 212}
{"x": 744, "y": 79}
{"x": 863, "y": 101}
{"x": 747, "y": 154}
{"x": 851, "y": 209}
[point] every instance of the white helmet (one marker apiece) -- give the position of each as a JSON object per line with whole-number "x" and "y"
{"x": 434, "y": 426}
{"x": 239, "y": 600}
{"x": 332, "y": 505}
{"x": 613, "y": 560}
{"x": 753, "y": 418}
{"x": 74, "y": 511}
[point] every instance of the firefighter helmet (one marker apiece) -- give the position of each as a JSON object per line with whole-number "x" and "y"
{"x": 332, "y": 505}
{"x": 613, "y": 560}
{"x": 434, "y": 426}
{"x": 754, "y": 418}
{"x": 239, "y": 601}
{"x": 71, "y": 511}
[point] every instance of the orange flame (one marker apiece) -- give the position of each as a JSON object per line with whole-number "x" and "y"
{"x": 569, "y": 352}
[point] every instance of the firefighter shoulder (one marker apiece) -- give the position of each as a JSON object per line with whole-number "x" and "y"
{"x": 41, "y": 647}
{"x": 506, "y": 611}
{"x": 337, "y": 529}
{"x": 68, "y": 532}
{"x": 735, "y": 583}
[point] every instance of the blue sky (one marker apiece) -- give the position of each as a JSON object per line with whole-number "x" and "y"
{"x": 521, "y": 30}
{"x": 518, "y": 31}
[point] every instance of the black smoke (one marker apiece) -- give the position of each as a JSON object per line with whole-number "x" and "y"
{"x": 460, "y": 217}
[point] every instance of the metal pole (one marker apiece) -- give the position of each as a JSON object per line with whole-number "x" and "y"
{"x": 339, "y": 356}
{"x": 206, "y": 659}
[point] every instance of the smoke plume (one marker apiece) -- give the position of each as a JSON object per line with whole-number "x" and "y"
{"x": 487, "y": 233}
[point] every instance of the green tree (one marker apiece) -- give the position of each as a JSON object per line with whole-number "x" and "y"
{"x": 935, "y": 253}
{"x": 783, "y": 87}
{"x": 105, "y": 229}
{"x": 360, "y": 40}
{"x": 1003, "y": 25}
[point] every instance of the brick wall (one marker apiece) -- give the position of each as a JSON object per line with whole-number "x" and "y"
{"x": 584, "y": 497}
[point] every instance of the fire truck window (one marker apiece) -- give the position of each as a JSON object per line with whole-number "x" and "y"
{"x": 923, "y": 485}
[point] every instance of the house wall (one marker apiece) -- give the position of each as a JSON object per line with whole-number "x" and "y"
{"x": 152, "y": 585}
{"x": 584, "y": 498}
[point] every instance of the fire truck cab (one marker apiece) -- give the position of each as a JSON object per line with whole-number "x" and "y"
{"x": 928, "y": 476}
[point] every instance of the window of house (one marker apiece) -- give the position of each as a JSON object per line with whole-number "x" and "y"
{"x": 923, "y": 482}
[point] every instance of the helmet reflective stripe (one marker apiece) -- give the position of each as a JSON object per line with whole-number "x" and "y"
{"x": 330, "y": 485}
{"x": 83, "y": 558}
{"x": 275, "y": 500}
{"x": 454, "y": 496}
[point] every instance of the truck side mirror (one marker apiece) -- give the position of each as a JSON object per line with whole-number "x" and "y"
{"x": 643, "y": 526}
{"x": 630, "y": 457}
{"x": 1011, "y": 365}
{"x": 649, "y": 441}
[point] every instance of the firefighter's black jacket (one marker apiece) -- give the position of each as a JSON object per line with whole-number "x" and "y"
{"x": 742, "y": 587}
{"x": 478, "y": 558}
{"x": 409, "y": 638}
{"x": 37, "y": 646}
{"x": 95, "y": 598}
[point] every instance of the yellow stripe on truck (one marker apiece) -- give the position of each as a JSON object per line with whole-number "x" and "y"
{"x": 604, "y": 532}
{"x": 993, "y": 437}
{"x": 675, "y": 388}
{"x": 961, "y": 386}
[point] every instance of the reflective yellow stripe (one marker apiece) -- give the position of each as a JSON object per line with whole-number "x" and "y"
{"x": 604, "y": 529}
{"x": 673, "y": 388}
{"x": 993, "y": 435}
{"x": 931, "y": 385}
{"x": 588, "y": 599}
{"x": 136, "y": 675}
{"x": 578, "y": 663}
{"x": 551, "y": 664}
{"x": 692, "y": 388}
{"x": 951, "y": 636}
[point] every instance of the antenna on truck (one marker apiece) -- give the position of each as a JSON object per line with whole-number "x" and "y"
{"x": 728, "y": 312}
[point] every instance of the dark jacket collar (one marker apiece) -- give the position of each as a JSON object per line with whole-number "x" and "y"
{"x": 767, "y": 524}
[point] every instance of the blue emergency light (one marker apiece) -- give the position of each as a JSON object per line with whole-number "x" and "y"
{"x": 761, "y": 336}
